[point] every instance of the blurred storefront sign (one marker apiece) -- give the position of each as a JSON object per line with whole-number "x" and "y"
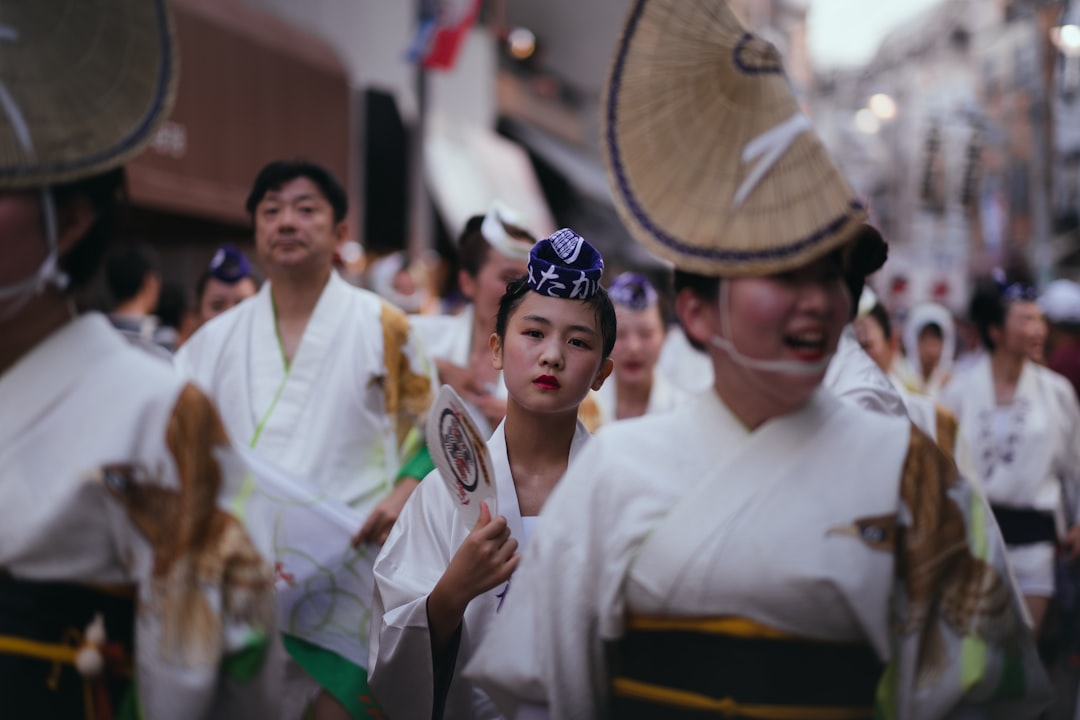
{"x": 252, "y": 89}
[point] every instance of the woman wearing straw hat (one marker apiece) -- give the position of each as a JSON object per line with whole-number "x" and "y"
{"x": 766, "y": 551}
{"x": 123, "y": 585}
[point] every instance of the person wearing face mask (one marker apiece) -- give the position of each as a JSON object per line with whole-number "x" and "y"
{"x": 767, "y": 550}
{"x": 1022, "y": 422}
{"x": 637, "y": 387}
{"x": 126, "y": 587}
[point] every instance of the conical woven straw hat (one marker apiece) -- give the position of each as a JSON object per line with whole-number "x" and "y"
{"x": 712, "y": 163}
{"x": 84, "y": 85}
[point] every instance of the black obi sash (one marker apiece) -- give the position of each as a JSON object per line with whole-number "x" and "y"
{"x": 1025, "y": 526}
{"x": 41, "y": 629}
{"x": 734, "y": 668}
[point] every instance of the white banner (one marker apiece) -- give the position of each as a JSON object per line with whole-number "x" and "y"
{"x": 324, "y": 585}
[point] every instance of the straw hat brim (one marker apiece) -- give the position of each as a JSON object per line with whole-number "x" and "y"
{"x": 84, "y": 85}
{"x": 690, "y": 96}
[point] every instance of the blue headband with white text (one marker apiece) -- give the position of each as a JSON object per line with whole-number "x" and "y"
{"x": 564, "y": 265}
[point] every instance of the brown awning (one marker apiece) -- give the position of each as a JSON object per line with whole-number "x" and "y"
{"x": 252, "y": 89}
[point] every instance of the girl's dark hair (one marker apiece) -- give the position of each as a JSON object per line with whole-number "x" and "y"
{"x": 601, "y": 304}
{"x": 104, "y": 193}
{"x": 473, "y": 249}
{"x": 706, "y": 287}
{"x": 987, "y": 309}
{"x": 881, "y": 317}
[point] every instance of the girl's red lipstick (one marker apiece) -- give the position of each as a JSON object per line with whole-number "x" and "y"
{"x": 547, "y": 382}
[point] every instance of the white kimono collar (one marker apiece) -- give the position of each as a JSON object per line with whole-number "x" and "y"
{"x": 267, "y": 364}
{"x": 504, "y": 479}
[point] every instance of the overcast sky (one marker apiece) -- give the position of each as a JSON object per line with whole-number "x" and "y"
{"x": 847, "y": 32}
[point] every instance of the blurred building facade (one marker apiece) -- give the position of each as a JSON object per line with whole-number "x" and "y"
{"x": 419, "y": 151}
{"x": 963, "y": 164}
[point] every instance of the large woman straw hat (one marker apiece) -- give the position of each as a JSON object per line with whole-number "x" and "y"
{"x": 712, "y": 162}
{"x": 84, "y": 85}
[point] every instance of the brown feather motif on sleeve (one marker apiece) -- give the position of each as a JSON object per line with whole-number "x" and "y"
{"x": 942, "y": 578}
{"x": 408, "y": 393}
{"x": 195, "y": 544}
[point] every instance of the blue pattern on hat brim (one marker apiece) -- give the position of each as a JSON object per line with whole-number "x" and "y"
{"x": 684, "y": 254}
{"x": 565, "y": 265}
{"x": 44, "y": 172}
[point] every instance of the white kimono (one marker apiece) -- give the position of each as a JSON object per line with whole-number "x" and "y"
{"x": 686, "y": 366}
{"x": 1037, "y": 465}
{"x": 85, "y": 398}
{"x": 853, "y": 376}
{"x": 941, "y": 425}
{"x": 794, "y": 526}
{"x": 663, "y": 396}
{"x": 413, "y": 559}
{"x": 340, "y": 413}
{"x": 449, "y": 337}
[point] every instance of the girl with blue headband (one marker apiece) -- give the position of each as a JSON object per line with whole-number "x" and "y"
{"x": 637, "y": 386}
{"x": 439, "y": 582}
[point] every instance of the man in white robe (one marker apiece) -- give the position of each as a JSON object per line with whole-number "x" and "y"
{"x": 321, "y": 378}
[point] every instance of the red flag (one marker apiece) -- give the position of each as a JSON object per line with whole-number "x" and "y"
{"x": 454, "y": 20}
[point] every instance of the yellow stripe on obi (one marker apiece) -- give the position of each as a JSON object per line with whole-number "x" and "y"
{"x": 734, "y": 626}
{"x": 732, "y": 667}
{"x": 729, "y": 708}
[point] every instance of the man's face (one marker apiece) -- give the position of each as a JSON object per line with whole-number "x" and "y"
{"x": 295, "y": 232}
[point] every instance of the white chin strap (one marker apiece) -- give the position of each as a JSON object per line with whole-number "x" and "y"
{"x": 15, "y": 296}
{"x": 787, "y": 367}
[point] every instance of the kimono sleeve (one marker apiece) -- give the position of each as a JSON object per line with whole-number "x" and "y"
{"x": 1067, "y": 466}
{"x": 206, "y": 606}
{"x": 413, "y": 559}
{"x": 546, "y": 645}
{"x": 960, "y": 641}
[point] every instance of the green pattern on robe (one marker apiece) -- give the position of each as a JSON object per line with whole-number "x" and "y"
{"x": 344, "y": 680}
